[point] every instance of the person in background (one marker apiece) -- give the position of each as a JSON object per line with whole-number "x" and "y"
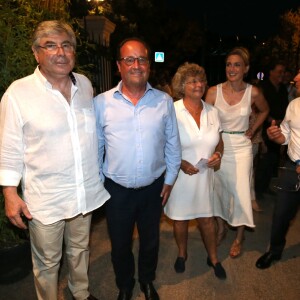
{"x": 162, "y": 82}
{"x": 256, "y": 143}
{"x": 234, "y": 99}
{"x": 138, "y": 130}
{"x": 289, "y": 84}
{"x": 288, "y": 196}
{"x": 48, "y": 141}
{"x": 191, "y": 197}
{"x": 276, "y": 95}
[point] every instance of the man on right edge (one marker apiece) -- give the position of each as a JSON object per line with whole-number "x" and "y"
{"x": 276, "y": 95}
{"x": 289, "y": 195}
{"x": 137, "y": 128}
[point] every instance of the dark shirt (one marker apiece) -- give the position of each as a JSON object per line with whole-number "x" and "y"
{"x": 278, "y": 102}
{"x": 277, "y": 99}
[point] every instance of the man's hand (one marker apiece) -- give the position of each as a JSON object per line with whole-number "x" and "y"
{"x": 15, "y": 207}
{"x": 165, "y": 193}
{"x": 274, "y": 133}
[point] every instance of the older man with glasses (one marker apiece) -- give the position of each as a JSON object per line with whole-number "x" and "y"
{"x": 288, "y": 133}
{"x": 48, "y": 142}
{"x": 137, "y": 127}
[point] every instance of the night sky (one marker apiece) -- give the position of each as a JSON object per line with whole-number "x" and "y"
{"x": 237, "y": 17}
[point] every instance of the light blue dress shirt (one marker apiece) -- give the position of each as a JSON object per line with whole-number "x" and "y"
{"x": 140, "y": 142}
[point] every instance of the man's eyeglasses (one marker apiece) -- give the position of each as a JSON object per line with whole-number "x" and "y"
{"x": 130, "y": 60}
{"x": 53, "y": 48}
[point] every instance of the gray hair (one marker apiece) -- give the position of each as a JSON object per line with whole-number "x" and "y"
{"x": 47, "y": 28}
{"x": 183, "y": 72}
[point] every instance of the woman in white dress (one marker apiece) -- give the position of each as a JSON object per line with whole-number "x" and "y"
{"x": 202, "y": 148}
{"x": 233, "y": 99}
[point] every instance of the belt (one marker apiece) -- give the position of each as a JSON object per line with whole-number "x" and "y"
{"x": 135, "y": 188}
{"x": 139, "y": 188}
{"x": 234, "y": 132}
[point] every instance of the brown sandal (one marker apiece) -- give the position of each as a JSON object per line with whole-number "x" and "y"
{"x": 235, "y": 249}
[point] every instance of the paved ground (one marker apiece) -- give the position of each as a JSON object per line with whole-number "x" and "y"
{"x": 244, "y": 280}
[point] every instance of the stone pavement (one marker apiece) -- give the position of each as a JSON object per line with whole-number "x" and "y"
{"x": 244, "y": 280}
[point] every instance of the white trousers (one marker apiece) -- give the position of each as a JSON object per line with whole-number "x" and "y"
{"x": 47, "y": 246}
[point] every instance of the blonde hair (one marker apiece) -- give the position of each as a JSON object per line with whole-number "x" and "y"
{"x": 184, "y": 71}
{"x": 242, "y": 52}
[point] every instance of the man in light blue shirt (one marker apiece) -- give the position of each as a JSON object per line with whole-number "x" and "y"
{"x": 137, "y": 130}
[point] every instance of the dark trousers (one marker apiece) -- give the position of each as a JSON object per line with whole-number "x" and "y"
{"x": 127, "y": 208}
{"x": 285, "y": 209}
{"x": 266, "y": 168}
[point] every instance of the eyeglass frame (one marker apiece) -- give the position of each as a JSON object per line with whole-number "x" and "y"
{"x": 139, "y": 59}
{"x": 56, "y": 47}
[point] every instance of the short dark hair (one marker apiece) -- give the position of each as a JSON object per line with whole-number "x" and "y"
{"x": 273, "y": 63}
{"x": 137, "y": 39}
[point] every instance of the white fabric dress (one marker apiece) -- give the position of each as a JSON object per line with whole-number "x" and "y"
{"x": 232, "y": 201}
{"x": 191, "y": 196}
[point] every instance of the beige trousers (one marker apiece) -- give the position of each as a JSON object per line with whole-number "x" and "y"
{"x": 47, "y": 246}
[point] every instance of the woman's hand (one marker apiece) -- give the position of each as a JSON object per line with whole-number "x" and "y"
{"x": 214, "y": 160}
{"x": 249, "y": 133}
{"x": 188, "y": 168}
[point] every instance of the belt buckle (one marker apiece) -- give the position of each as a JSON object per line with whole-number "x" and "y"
{"x": 139, "y": 188}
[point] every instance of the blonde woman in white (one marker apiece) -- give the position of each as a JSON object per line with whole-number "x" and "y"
{"x": 233, "y": 99}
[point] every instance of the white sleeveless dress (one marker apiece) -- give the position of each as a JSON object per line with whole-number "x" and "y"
{"x": 192, "y": 196}
{"x": 232, "y": 200}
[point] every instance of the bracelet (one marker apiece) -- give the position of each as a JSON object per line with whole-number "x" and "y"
{"x": 297, "y": 162}
{"x": 220, "y": 154}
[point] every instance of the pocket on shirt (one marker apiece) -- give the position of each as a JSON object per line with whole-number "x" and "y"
{"x": 244, "y": 111}
{"x": 90, "y": 121}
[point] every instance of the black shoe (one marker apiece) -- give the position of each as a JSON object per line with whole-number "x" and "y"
{"x": 179, "y": 265}
{"x": 149, "y": 291}
{"x": 266, "y": 260}
{"x": 218, "y": 268}
{"x": 124, "y": 295}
